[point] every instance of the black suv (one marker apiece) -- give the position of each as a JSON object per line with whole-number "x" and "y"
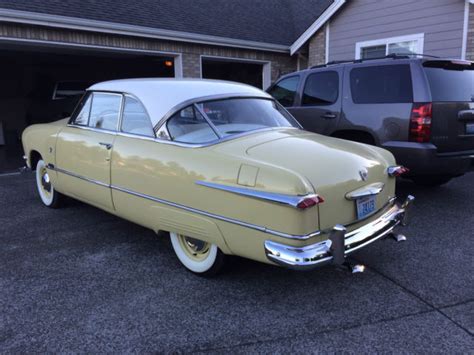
{"x": 419, "y": 108}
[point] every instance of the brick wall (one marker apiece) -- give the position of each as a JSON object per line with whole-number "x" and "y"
{"x": 317, "y": 48}
{"x": 281, "y": 63}
{"x": 470, "y": 34}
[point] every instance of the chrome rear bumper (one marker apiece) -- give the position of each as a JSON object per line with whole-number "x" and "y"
{"x": 340, "y": 243}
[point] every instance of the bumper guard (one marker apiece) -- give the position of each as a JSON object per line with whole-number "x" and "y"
{"x": 340, "y": 243}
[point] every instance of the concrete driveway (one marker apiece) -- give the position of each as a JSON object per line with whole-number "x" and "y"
{"x": 80, "y": 280}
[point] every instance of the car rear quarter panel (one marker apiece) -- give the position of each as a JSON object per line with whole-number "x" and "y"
{"x": 169, "y": 172}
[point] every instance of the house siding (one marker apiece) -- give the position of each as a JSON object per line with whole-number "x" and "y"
{"x": 441, "y": 21}
{"x": 470, "y": 35}
{"x": 281, "y": 63}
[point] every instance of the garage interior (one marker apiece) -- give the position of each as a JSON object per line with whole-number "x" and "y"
{"x": 43, "y": 84}
{"x": 243, "y": 72}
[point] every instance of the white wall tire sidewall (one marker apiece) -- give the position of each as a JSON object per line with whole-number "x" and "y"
{"x": 193, "y": 265}
{"x": 47, "y": 200}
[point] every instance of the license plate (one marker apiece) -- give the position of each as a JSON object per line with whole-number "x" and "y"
{"x": 469, "y": 128}
{"x": 365, "y": 206}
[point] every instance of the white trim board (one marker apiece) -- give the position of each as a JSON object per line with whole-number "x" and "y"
{"x": 419, "y": 37}
{"x": 57, "y": 21}
{"x": 465, "y": 28}
{"x": 327, "y": 41}
{"x": 325, "y": 16}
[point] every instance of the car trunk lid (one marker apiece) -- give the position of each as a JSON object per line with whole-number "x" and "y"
{"x": 336, "y": 168}
{"x": 452, "y": 91}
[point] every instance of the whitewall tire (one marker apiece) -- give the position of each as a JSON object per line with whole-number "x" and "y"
{"x": 197, "y": 256}
{"x": 48, "y": 195}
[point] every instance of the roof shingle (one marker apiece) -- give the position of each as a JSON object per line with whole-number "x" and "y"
{"x": 269, "y": 21}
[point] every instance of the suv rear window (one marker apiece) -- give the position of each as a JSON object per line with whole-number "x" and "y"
{"x": 383, "y": 84}
{"x": 450, "y": 81}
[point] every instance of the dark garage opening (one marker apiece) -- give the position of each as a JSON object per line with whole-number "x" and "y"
{"x": 44, "y": 84}
{"x": 243, "y": 72}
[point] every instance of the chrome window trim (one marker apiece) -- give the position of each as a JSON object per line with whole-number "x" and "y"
{"x": 208, "y": 120}
{"x": 98, "y": 130}
{"x": 76, "y": 111}
{"x": 284, "y": 199}
{"x": 162, "y": 122}
{"x": 91, "y": 93}
{"x": 165, "y": 141}
{"x": 190, "y": 209}
{"x": 119, "y": 128}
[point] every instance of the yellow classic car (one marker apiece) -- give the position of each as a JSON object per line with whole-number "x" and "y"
{"x": 223, "y": 168}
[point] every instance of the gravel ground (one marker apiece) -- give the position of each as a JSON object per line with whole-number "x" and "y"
{"x": 80, "y": 280}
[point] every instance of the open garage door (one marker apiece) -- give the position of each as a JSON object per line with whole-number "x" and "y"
{"x": 41, "y": 84}
{"x": 246, "y": 72}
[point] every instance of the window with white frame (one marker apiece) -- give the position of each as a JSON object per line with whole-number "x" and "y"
{"x": 395, "y": 45}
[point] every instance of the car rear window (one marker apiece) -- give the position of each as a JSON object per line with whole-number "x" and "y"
{"x": 450, "y": 82}
{"x": 383, "y": 84}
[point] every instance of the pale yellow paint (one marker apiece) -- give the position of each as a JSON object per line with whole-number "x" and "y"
{"x": 288, "y": 161}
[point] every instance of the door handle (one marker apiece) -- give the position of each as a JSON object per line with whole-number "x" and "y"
{"x": 329, "y": 115}
{"x": 108, "y": 146}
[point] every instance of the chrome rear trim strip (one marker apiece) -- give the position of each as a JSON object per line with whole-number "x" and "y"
{"x": 368, "y": 190}
{"x": 291, "y": 200}
{"x": 190, "y": 209}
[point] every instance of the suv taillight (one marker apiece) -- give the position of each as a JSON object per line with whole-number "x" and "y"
{"x": 420, "y": 122}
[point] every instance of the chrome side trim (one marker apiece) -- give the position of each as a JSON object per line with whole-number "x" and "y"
{"x": 97, "y": 182}
{"x": 215, "y": 216}
{"x": 368, "y": 190}
{"x": 290, "y": 200}
{"x": 190, "y": 209}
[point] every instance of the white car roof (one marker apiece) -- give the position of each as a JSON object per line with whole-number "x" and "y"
{"x": 160, "y": 95}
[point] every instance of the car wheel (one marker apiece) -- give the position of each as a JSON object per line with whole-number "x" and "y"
{"x": 199, "y": 257}
{"x": 431, "y": 180}
{"x": 49, "y": 196}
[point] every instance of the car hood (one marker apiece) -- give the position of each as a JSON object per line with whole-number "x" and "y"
{"x": 334, "y": 167}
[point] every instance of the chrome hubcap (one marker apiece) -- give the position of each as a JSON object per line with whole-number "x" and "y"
{"x": 194, "y": 248}
{"x": 45, "y": 181}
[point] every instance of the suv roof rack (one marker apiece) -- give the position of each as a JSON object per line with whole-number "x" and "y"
{"x": 389, "y": 56}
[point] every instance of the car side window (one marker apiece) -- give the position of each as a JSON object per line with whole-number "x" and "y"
{"x": 188, "y": 126}
{"x": 284, "y": 91}
{"x": 321, "y": 88}
{"x": 381, "y": 84}
{"x": 84, "y": 109}
{"x": 105, "y": 111}
{"x": 135, "y": 119}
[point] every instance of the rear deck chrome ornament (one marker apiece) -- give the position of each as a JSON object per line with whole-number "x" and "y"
{"x": 364, "y": 174}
